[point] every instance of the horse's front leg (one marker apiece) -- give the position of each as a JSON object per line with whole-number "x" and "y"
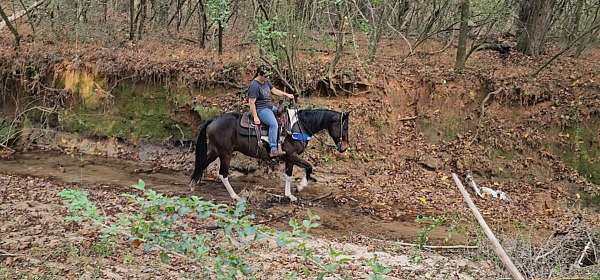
{"x": 308, "y": 169}
{"x": 289, "y": 168}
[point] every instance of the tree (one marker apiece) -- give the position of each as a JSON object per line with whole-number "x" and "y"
{"x": 219, "y": 12}
{"x": 202, "y": 24}
{"x": 11, "y": 27}
{"x": 589, "y": 38}
{"x": 461, "y": 51}
{"x": 341, "y": 12}
{"x": 131, "y": 20}
{"x": 535, "y": 17}
{"x": 377, "y": 28}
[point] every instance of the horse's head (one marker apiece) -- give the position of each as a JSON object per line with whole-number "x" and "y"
{"x": 338, "y": 130}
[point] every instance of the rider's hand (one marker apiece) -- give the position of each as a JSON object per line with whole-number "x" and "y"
{"x": 290, "y": 96}
{"x": 256, "y": 121}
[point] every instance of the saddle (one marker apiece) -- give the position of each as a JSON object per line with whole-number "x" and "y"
{"x": 247, "y": 127}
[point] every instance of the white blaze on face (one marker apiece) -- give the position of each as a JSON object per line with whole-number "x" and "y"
{"x": 303, "y": 183}
{"x": 288, "y": 188}
{"x": 230, "y": 190}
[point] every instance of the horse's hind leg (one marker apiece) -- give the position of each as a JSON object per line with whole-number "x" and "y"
{"x": 224, "y": 173}
{"x": 199, "y": 169}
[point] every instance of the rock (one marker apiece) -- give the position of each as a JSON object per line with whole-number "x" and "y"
{"x": 431, "y": 162}
{"x": 461, "y": 263}
{"x": 463, "y": 276}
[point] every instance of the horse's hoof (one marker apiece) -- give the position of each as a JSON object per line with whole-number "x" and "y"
{"x": 303, "y": 184}
{"x": 292, "y": 198}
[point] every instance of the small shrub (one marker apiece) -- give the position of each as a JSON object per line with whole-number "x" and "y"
{"x": 423, "y": 235}
{"x": 162, "y": 223}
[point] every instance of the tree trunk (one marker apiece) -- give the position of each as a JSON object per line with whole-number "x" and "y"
{"x": 589, "y": 39}
{"x": 376, "y": 34}
{"x": 339, "y": 46}
{"x": 29, "y": 19}
{"x": 104, "y": 11}
{"x": 202, "y": 22}
{"x": 402, "y": 13}
{"x": 142, "y": 19}
{"x": 534, "y": 22}
{"x": 575, "y": 21}
{"x": 11, "y": 27}
{"x": 131, "y": 20}
{"x": 461, "y": 51}
{"x": 220, "y": 25}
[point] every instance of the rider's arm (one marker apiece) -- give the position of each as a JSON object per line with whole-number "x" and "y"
{"x": 252, "y": 103}
{"x": 253, "y": 94}
{"x": 281, "y": 93}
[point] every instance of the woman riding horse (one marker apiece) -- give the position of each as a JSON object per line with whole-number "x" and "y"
{"x": 220, "y": 137}
{"x": 261, "y": 108}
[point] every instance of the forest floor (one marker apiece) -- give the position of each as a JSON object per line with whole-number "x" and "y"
{"x": 413, "y": 123}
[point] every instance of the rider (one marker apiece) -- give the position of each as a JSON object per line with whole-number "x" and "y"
{"x": 259, "y": 99}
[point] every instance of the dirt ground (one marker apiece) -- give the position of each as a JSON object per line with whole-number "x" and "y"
{"x": 415, "y": 125}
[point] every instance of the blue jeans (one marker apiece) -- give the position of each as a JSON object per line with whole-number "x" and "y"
{"x": 267, "y": 116}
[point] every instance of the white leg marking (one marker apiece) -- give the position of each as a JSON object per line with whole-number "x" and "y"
{"x": 303, "y": 183}
{"x": 288, "y": 188}
{"x": 229, "y": 188}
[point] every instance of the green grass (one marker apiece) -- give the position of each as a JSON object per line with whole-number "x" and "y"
{"x": 436, "y": 132}
{"x": 207, "y": 113}
{"x": 582, "y": 152}
{"x": 590, "y": 200}
{"x": 5, "y": 130}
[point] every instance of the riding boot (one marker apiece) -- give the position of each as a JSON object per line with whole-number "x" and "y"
{"x": 275, "y": 152}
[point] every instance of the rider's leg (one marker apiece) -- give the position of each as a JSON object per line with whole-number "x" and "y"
{"x": 268, "y": 117}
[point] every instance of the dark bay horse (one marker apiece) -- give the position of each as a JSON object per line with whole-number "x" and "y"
{"x": 219, "y": 138}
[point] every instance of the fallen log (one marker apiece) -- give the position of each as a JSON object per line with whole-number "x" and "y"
{"x": 20, "y": 14}
{"x": 447, "y": 247}
{"x": 510, "y": 266}
{"x": 471, "y": 182}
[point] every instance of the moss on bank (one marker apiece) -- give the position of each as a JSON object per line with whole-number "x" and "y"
{"x": 134, "y": 112}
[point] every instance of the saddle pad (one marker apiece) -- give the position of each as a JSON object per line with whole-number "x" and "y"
{"x": 293, "y": 118}
{"x": 251, "y": 131}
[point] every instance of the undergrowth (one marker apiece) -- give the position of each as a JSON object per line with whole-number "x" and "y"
{"x": 214, "y": 238}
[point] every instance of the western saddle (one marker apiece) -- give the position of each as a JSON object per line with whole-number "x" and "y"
{"x": 247, "y": 127}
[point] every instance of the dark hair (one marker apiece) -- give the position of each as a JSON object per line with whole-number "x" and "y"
{"x": 261, "y": 70}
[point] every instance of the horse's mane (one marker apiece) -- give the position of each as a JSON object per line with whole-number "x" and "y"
{"x": 314, "y": 120}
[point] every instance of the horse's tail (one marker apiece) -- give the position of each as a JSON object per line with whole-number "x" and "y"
{"x": 201, "y": 153}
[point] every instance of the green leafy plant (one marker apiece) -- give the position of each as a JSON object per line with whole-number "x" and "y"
{"x": 218, "y": 10}
{"x": 164, "y": 224}
{"x": 7, "y": 131}
{"x": 266, "y": 33}
{"x": 423, "y": 235}
{"x": 378, "y": 271}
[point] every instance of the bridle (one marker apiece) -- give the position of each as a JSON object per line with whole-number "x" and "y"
{"x": 339, "y": 142}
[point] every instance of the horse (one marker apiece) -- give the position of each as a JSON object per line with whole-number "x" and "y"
{"x": 219, "y": 138}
